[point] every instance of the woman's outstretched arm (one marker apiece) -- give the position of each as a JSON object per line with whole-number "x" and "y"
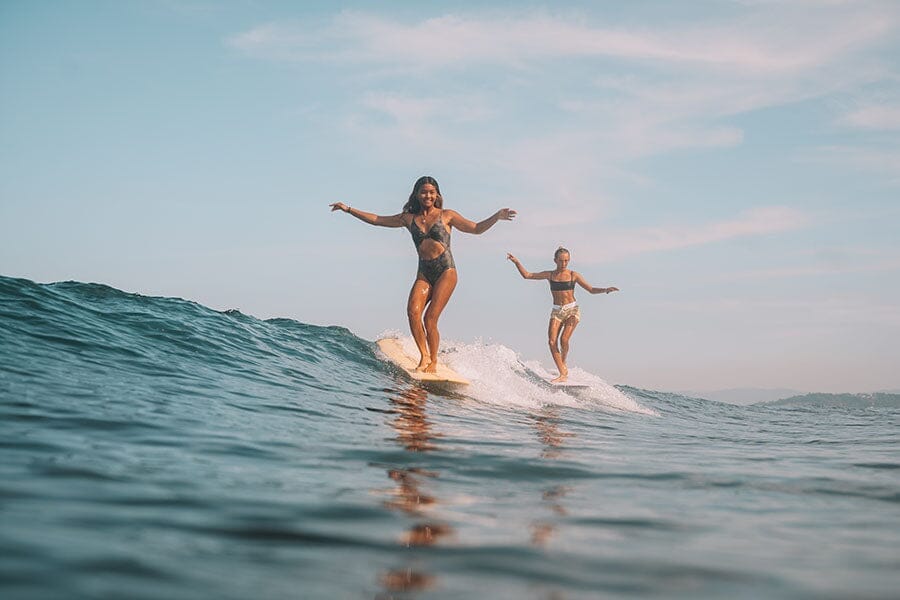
{"x": 524, "y": 273}
{"x": 370, "y": 218}
{"x": 594, "y": 290}
{"x": 467, "y": 226}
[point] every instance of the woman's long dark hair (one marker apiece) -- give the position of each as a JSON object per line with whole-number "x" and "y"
{"x": 412, "y": 205}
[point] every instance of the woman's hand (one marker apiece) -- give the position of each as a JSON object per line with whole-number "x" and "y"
{"x": 610, "y": 289}
{"x": 506, "y": 214}
{"x": 339, "y": 206}
{"x": 511, "y": 257}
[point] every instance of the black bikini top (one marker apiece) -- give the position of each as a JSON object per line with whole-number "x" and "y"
{"x": 559, "y": 286}
{"x": 437, "y": 232}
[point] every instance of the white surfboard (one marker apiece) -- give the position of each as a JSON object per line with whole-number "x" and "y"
{"x": 565, "y": 385}
{"x": 533, "y": 375}
{"x": 393, "y": 350}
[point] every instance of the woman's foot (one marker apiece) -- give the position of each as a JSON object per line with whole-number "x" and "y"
{"x": 431, "y": 368}
{"x": 423, "y": 366}
{"x": 560, "y": 379}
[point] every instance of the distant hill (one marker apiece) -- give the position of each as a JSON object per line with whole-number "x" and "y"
{"x": 743, "y": 395}
{"x": 878, "y": 399}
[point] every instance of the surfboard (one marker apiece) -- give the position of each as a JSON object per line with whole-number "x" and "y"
{"x": 568, "y": 386}
{"x": 393, "y": 350}
{"x": 531, "y": 375}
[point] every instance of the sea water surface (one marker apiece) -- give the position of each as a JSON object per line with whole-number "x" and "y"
{"x": 155, "y": 448}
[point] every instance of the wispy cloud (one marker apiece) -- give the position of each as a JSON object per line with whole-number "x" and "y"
{"x": 839, "y": 312}
{"x": 753, "y": 222}
{"x": 603, "y": 246}
{"x": 608, "y": 93}
{"x": 749, "y": 43}
{"x": 683, "y": 76}
{"x": 411, "y": 113}
{"x": 875, "y": 117}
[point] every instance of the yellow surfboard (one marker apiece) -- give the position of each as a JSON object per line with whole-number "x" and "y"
{"x": 393, "y": 350}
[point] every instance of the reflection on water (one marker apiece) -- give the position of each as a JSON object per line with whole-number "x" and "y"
{"x": 412, "y": 425}
{"x": 410, "y": 495}
{"x": 405, "y": 581}
{"x": 552, "y": 439}
{"x": 550, "y": 435}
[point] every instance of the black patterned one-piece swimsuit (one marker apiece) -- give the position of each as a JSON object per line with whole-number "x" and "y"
{"x": 432, "y": 269}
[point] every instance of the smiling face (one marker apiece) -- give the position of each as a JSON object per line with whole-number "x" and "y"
{"x": 427, "y": 195}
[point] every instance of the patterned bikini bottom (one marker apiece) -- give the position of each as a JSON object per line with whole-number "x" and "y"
{"x": 565, "y": 312}
{"x": 433, "y": 268}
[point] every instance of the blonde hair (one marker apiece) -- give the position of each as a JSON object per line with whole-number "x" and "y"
{"x": 559, "y": 251}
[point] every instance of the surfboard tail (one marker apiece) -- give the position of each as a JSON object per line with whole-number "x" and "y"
{"x": 394, "y": 352}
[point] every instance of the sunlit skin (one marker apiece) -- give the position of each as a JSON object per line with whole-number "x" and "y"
{"x": 426, "y": 301}
{"x": 559, "y": 333}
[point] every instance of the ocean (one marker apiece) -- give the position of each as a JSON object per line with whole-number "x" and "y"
{"x": 155, "y": 448}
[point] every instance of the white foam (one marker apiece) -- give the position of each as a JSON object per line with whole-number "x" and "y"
{"x": 498, "y": 376}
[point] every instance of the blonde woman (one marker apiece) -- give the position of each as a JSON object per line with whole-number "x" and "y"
{"x": 565, "y": 315}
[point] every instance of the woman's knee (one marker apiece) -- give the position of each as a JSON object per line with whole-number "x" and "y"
{"x": 431, "y": 319}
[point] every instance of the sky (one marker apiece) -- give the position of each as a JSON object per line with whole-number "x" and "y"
{"x": 733, "y": 166}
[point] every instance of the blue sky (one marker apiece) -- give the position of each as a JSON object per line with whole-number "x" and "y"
{"x": 732, "y": 166}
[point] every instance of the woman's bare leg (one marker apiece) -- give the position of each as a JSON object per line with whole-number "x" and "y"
{"x": 440, "y": 295}
{"x": 552, "y": 340}
{"x": 418, "y": 297}
{"x": 567, "y": 331}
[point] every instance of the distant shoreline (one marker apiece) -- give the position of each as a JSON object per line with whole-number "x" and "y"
{"x": 747, "y": 396}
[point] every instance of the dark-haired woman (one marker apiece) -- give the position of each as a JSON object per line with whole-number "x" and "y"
{"x": 565, "y": 315}
{"x": 430, "y": 225}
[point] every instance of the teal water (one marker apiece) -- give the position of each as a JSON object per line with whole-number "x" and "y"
{"x": 154, "y": 448}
